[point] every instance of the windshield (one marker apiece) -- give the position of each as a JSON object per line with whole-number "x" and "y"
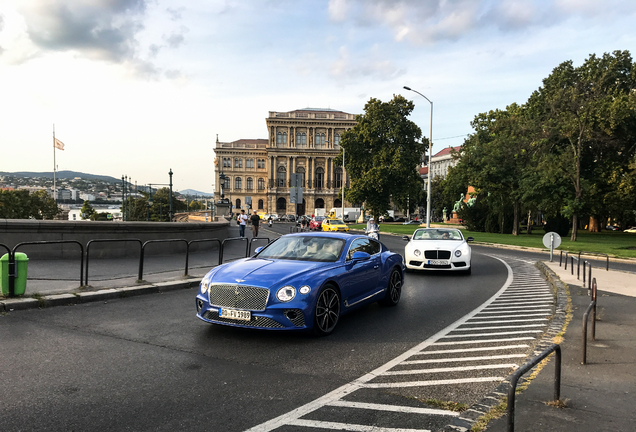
{"x": 336, "y": 222}
{"x": 304, "y": 248}
{"x": 437, "y": 234}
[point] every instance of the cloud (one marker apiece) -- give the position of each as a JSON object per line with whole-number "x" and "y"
{"x": 175, "y": 14}
{"x": 431, "y": 21}
{"x": 96, "y": 29}
{"x": 348, "y": 68}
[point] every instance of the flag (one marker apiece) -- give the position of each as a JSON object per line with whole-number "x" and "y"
{"x": 58, "y": 144}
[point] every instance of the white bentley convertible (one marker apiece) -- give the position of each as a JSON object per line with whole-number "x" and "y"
{"x": 438, "y": 249}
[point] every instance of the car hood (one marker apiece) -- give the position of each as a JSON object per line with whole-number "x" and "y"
{"x": 436, "y": 244}
{"x": 264, "y": 272}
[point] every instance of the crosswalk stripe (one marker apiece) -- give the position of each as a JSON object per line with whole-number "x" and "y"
{"x": 394, "y": 408}
{"x": 348, "y": 427}
{"x": 461, "y": 350}
{"x": 452, "y": 369}
{"x": 465, "y": 359}
{"x": 432, "y": 382}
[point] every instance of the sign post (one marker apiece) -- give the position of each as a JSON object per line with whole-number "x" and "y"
{"x": 551, "y": 240}
{"x": 296, "y": 191}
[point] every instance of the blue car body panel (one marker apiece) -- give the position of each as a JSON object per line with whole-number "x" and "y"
{"x": 243, "y": 283}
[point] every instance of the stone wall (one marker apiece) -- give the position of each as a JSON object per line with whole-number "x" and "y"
{"x": 15, "y": 231}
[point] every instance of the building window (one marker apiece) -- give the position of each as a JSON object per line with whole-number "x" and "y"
{"x": 260, "y": 204}
{"x": 261, "y": 184}
{"x": 227, "y": 162}
{"x": 337, "y": 139}
{"x": 304, "y": 138}
{"x": 279, "y": 138}
{"x": 281, "y": 176}
{"x": 284, "y": 137}
{"x": 237, "y": 183}
{"x": 238, "y": 203}
{"x": 281, "y": 205}
{"x": 249, "y": 184}
{"x": 320, "y": 139}
{"x": 261, "y": 163}
{"x": 249, "y": 163}
{"x": 301, "y": 171}
{"x": 320, "y": 178}
{"x": 238, "y": 163}
{"x": 338, "y": 179}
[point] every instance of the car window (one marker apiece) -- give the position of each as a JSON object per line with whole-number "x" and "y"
{"x": 363, "y": 245}
{"x": 437, "y": 234}
{"x": 304, "y": 248}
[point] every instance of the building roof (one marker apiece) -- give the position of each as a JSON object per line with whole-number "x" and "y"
{"x": 424, "y": 171}
{"x": 447, "y": 151}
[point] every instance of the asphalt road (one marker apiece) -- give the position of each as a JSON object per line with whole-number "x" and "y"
{"x": 147, "y": 363}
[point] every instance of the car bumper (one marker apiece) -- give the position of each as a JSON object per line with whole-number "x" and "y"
{"x": 453, "y": 265}
{"x": 278, "y": 317}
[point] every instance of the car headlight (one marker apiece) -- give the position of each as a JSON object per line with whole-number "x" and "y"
{"x": 458, "y": 253}
{"x": 417, "y": 252}
{"x": 305, "y": 289}
{"x": 204, "y": 285}
{"x": 286, "y": 293}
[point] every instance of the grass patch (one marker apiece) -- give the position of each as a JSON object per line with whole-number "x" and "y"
{"x": 612, "y": 243}
{"x": 492, "y": 414}
{"x": 40, "y": 298}
{"x": 447, "y": 405}
{"x": 561, "y": 403}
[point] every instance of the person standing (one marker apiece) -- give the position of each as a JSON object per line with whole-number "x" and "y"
{"x": 242, "y": 220}
{"x": 256, "y": 220}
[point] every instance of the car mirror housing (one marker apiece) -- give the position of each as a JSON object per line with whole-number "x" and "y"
{"x": 258, "y": 249}
{"x": 407, "y": 238}
{"x": 469, "y": 239}
{"x": 360, "y": 256}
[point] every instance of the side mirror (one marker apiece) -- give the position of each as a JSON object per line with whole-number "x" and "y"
{"x": 258, "y": 249}
{"x": 469, "y": 239}
{"x": 407, "y": 238}
{"x": 360, "y": 256}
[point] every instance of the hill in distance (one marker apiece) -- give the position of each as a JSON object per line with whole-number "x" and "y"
{"x": 193, "y": 192}
{"x": 62, "y": 175}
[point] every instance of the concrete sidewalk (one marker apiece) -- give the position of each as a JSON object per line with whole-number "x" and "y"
{"x": 600, "y": 395}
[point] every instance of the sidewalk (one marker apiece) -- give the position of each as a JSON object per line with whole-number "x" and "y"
{"x": 600, "y": 395}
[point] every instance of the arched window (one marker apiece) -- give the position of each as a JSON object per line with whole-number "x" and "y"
{"x": 249, "y": 184}
{"x": 260, "y": 204}
{"x": 301, "y": 171}
{"x": 299, "y": 140}
{"x": 281, "y": 205}
{"x": 320, "y": 203}
{"x": 320, "y": 178}
{"x": 279, "y": 139}
{"x": 237, "y": 183}
{"x": 337, "y": 203}
{"x": 338, "y": 179}
{"x": 261, "y": 184}
{"x": 320, "y": 139}
{"x": 284, "y": 137}
{"x": 304, "y": 139}
{"x": 281, "y": 176}
{"x": 238, "y": 204}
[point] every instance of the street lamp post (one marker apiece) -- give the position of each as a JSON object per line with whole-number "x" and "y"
{"x": 430, "y": 153}
{"x": 170, "y": 174}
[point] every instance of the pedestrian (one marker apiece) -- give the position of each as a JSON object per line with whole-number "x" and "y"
{"x": 242, "y": 220}
{"x": 256, "y": 220}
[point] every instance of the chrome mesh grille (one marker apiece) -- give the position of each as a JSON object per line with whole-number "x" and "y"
{"x": 437, "y": 254}
{"x": 296, "y": 317}
{"x": 262, "y": 322}
{"x": 238, "y": 297}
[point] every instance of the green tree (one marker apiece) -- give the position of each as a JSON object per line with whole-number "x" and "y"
{"x": 383, "y": 152}
{"x": 586, "y": 115}
{"x": 87, "y": 211}
{"x": 44, "y": 205}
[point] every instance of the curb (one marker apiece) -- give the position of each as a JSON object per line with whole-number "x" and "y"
{"x": 10, "y": 305}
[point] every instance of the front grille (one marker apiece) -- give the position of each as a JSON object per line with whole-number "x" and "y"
{"x": 446, "y": 266}
{"x": 238, "y": 297}
{"x": 437, "y": 254}
{"x": 262, "y": 322}
{"x": 415, "y": 263}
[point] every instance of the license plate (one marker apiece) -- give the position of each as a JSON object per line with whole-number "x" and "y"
{"x": 437, "y": 262}
{"x": 236, "y": 314}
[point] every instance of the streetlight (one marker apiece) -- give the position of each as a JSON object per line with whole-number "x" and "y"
{"x": 430, "y": 152}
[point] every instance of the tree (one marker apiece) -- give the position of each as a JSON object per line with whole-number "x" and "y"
{"x": 586, "y": 115}
{"x": 87, "y": 211}
{"x": 44, "y": 205}
{"x": 383, "y": 153}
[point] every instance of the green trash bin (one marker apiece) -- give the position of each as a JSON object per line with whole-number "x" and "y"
{"x": 21, "y": 264}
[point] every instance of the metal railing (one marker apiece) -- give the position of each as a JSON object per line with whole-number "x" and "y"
{"x": 589, "y": 271}
{"x": 88, "y": 246}
{"x": 578, "y": 258}
{"x": 229, "y": 240}
{"x": 140, "y": 275}
{"x": 200, "y": 241}
{"x": 514, "y": 379}
{"x": 249, "y": 249}
{"x": 592, "y": 308}
{"x": 597, "y": 253}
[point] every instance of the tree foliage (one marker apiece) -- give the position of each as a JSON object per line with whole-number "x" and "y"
{"x": 383, "y": 151}
{"x": 19, "y": 204}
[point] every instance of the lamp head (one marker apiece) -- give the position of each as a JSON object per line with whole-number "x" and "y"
{"x": 408, "y": 88}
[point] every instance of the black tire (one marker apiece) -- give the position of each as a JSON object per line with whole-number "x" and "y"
{"x": 327, "y": 311}
{"x": 393, "y": 289}
{"x": 469, "y": 271}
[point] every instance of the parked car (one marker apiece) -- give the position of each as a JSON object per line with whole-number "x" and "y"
{"x": 334, "y": 225}
{"x": 630, "y": 230}
{"x": 300, "y": 219}
{"x": 411, "y": 222}
{"x": 612, "y": 228}
{"x": 315, "y": 224}
{"x": 302, "y": 281}
{"x": 438, "y": 249}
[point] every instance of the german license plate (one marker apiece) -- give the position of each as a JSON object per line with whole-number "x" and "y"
{"x": 437, "y": 262}
{"x": 236, "y": 314}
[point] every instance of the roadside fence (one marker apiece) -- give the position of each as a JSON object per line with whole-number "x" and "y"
{"x": 590, "y": 308}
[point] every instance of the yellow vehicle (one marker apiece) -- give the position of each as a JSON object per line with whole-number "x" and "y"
{"x": 334, "y": 225}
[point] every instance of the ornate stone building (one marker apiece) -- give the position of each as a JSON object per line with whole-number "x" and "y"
{"x": 303, "y": 142}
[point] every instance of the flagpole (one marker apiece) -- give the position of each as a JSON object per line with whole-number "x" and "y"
{"x": 54, "y": 188}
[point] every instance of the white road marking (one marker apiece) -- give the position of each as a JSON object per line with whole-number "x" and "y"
{"x": 507, "y": 321}
{"x": 492, "y": 334}
{"x": 466, "y": 359}
{"x": 394, "y": 408}
{"x": 451, "y": 369}
{"x": 433, "y": 382}
{"x": 461, "y": 350}
{"x": 348, "y": 427}
{"x": 483, "y": 341}
{"x": 547, "y": 312}
{"x": 498, "y": 327}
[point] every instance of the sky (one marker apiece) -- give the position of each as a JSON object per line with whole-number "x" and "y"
{"x": 139, "y": 87}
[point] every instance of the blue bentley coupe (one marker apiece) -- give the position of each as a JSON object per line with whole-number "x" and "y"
{"x": 302, "y": 281}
